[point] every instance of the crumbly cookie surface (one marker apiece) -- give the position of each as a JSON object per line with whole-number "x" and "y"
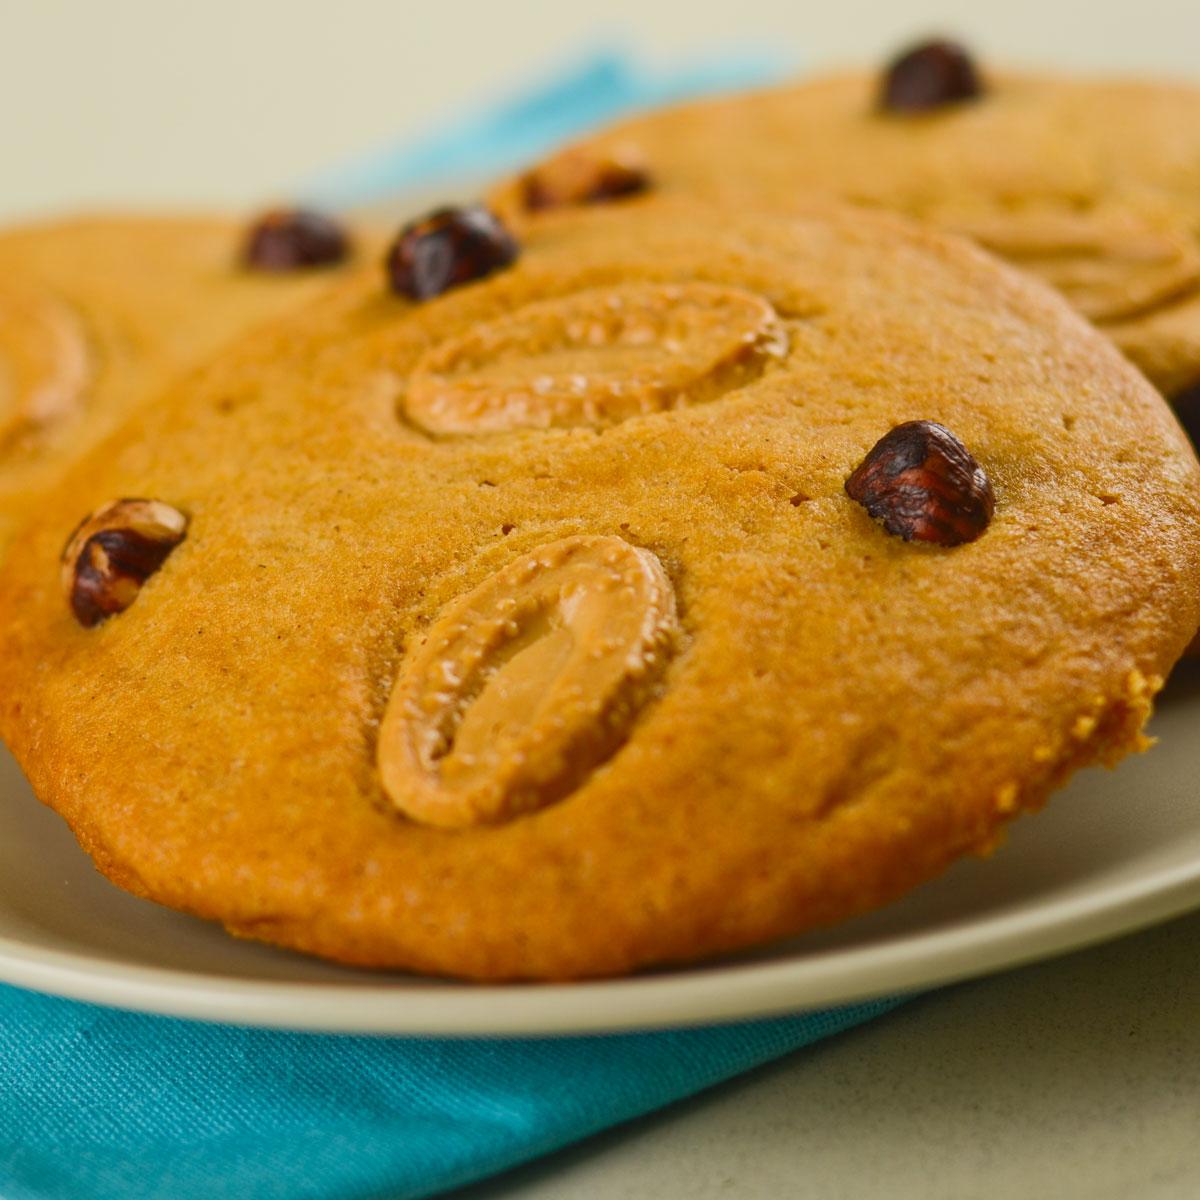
{"x": 98, "y": 313}
{"x": 1091, "y": 184}
{"x": 531, "y": 633}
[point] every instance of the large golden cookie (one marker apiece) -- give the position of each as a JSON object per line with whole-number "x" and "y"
{"x": 531, "y": 632}
{"x": 98, "y": 313}
{"x": 1094, "y": 185}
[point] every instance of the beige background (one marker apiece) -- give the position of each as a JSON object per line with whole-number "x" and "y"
{"x": 1079, "y": 1078}
{"x": 185, "y": 101}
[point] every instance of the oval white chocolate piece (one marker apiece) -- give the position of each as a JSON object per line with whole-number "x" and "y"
{"x": 594, "y": 358}
{"x": 44, "y": 363}
{"x": 1109, "y": 265}
{"x": 528, "y": 683}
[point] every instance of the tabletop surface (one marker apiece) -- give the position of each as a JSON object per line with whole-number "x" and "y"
{"x": 1077, "y": 1079}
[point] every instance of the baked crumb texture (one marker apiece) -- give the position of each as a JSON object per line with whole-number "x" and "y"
{"x": 530, "y": 633}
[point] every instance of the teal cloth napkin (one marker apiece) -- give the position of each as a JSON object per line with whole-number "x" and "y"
{"x": 111, "y": 1105}
{"x": 104, "y": 1105}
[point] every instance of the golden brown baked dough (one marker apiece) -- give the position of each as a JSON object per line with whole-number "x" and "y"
{"x": 1091, "y": 184}
{"x": 572, "y": 697}
{"x": 97, "y": 313}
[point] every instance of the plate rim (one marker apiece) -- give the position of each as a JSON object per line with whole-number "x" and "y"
{"x": 700, "y": 995}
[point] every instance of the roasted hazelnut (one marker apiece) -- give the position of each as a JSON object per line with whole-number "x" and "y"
{"x": 928, "y": 76}
{"x": 294, "y": 240}
{"x": 113, "y": 552}
{"x": 923, "y": 484}
{"x": 576, "y": 177}
{"x": 447, "y": 248}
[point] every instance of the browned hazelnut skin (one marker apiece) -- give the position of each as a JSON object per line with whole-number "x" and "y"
{"x": 929, "y": 76}
{"x": 112, "y": 553}
{"x": 295, "y": 239}
{"x": 582, "y": 179}
{"x": 447, "y": 248}
{"x": 924, "y": 485}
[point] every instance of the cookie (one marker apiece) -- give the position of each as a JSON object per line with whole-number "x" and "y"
{"x": 700, "y": 577}
{"x": 1091, "y": 184}
{"x": 98, "y": 313}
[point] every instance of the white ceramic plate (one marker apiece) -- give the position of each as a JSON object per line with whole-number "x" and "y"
{"x": 1115, "y": 851}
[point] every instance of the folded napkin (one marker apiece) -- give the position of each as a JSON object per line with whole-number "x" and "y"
{"x": 111, "y": 1105}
